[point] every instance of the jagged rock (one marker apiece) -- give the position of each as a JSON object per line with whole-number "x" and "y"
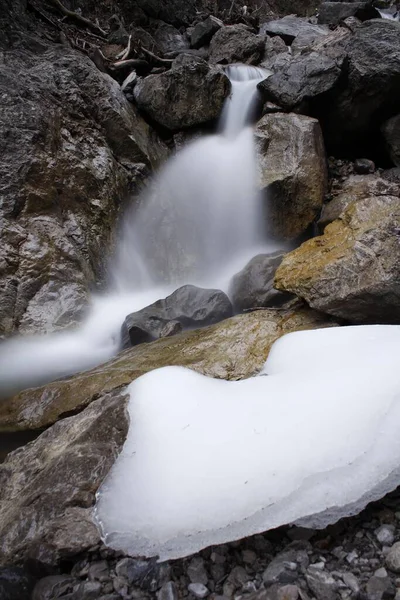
{"x": 354, "y": 188}
{"x": 53, "y": 587}
{"x": 48, "y": 487}
{"x": 233, "y": 349}
{"x": 71, "y": 149}
{"x": 354, "y": 115}
{"x": 290, "y": 27}
{"x": 253, "y": 286}
{"x": 306, "y": 39}
{"x": 322, "y": 584}
{"x": 284, "y": 567}
{"x": 204, "y": 31}
{"x": 292, "y": 171}
{"x": 332, "y": 13}
{"x": 169, "y": 39}
{"x": 184, "y": 96}
{"x": 391, "y": 133}
{"x": 364, "y": 166}
{"x": 188, "y": 306}
{"x": 301, "y": 79}
{"x": 353, "y": 270}
{"x": 393, "y": 558}
{"x": 275, "y": 52}
{"x": 236, "y": 43}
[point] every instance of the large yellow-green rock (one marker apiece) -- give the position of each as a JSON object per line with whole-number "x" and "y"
{"x": 233, "y": 349}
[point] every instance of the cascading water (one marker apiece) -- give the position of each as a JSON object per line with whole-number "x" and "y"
{"x": 198, "y": 222}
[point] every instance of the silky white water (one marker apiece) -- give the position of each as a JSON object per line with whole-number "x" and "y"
{"x": 199, "y": 221}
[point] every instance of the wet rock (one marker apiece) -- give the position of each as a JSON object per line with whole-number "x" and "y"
{"x": 301, "y": 80}
{"x": 188, "y": 306}
{"x": 133, "y": 570}
{"x": 290, "y": 27}
{"x": 196, "y": 571}
{"x": 169, "y": 39}
{"x": 364, "y": 166}
{"x": 48, "y": 487}
{"x": 234, "y": 349}
{"x": 15, "y": 584}
{"x": 168, "y": 592}
{"x": 198, "y": 590}
{"x": 322, "y": 584}
{"x": 236, "y": 43}
{"x": 204, "y": 31}
{"x": 352, "y": 271}
{"x": 393, "y": 558}
{"x": 285, "y": 566}
{"x": 292, "y": 171}
{"x": 184, "y": 96}
{"x": 356, "y": 187}
{"x": 332, "y": 13}
{"x": 253, "y": 286}
{"x": 71, "y": 148}
{"x": 391, "y": 133}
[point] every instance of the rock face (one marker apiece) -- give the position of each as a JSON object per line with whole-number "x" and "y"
{"x": 301, "y": 79}
{"x": 72, "y": 148}
{"x": 235, "y": 43}
{"x": 234, "y": 349}
{"x": 353, "y": 270}
{"x": 292, "y": 171}
{"x": 391, "y": 133}
{"x": 253, "y": 286}
{"x": 356, "y": 113}
{"x": 184, "y": 96}
{"x": 49, "y": 486}
{"x": 188, "y": 306}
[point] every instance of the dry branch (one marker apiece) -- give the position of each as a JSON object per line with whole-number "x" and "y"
{"x": 78, "y": 18}
{"x": 157, "y": 60}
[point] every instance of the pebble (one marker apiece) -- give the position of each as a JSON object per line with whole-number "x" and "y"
{"x": 168, "y": 592}
{"x": 197, "y": 572}
{"x": 321, "y": 584}
{"x": 198, "y": 590}
{"x": 351, "y": 581}
{"x": 393, "y": 558}
{"x": 385, "y": 534}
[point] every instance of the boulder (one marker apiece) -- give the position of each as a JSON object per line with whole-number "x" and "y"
{"x": 353, "y": 270}
{"x": 391, "y": 134}
{"x": 169, "y": 39}
{"x": 289, "y": 27}
{"x": 15, "y": 584}
{"x": 253, "y": 286}
{"x": 354, "y": 114}
{"x": 48, "y": 487}
{"x": 301, "y": 80}
{"x": 233, "y": 349}
{"x": 204, "y": 31}
{"x": 275, "y": 49}
{"x": 306, "y": 39}
{"x": 356, "y": 187}
{"x": 236, "y": 43}
{"x": 292, "y": 171}
{"x": 184, "y": 96}
{"x": 72, "y": 149}
{"x": 332, "y": 13}
{"x": 188, "y": 306}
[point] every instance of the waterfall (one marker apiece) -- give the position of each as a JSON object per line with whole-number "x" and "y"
{"x": 198, "y": 222}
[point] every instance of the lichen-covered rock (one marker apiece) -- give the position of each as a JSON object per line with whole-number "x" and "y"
{"x": 184, "y": 96}
{"x": 48, "y": 487}
{"x": 353, "y": 270}
{"x": 292, "y": 171}
{"x": 233, "y": 349}
{"x": 71, "y": 150}
{"x": 236, "y": 43}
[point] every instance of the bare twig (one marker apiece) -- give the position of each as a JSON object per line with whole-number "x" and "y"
{"x": 78, "y": 18}
{"x": 125, "y": 53}
{"x": 134, "y": 63}
{"x": 157, "y": 60}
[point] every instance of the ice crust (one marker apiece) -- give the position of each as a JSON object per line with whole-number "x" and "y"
{"x": 209, "y": 461}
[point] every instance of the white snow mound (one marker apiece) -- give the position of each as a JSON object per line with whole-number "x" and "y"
{"x": 209, "y": 461}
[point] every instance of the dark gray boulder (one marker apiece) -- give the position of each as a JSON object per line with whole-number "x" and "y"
{"x": 184, "y": 96}
{"x": 204, "y": 31}
{"x": 301, "y": 79}
{"x": 236, "y": 43}
{"x": 169, "y": 39}
{"x": 253, "y": 286}
{"x": 189, "y": 307}
{"x": 332, "y": 13}
{"x": 391, "y": 134}
{"x": 290, "y": 27}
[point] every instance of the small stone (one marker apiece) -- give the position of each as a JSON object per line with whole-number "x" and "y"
{"x": 320, "y": 566}
{"x": 168, "y": 592}
{"x": 351, "y": 556}
{"x": 363, "y": 166}
{"x": 53, "y": 586}
{"x": 393, "y": 558}
{"x": 322, "y": 585}
{"x": 288, "y": 592}
{"x": 377, "y": 587}
{"x": 132, "y": 570}
{"x": 249, "y": 557}
{"x": 198, "y": 590}
{"x": 351, "y": 581}
{"x": 98, "y": 571}
{"x": 120, "y": 585}
{"x": 381, "y": 572}
{"x": 385, "y": 534}
{"x": 196, "y": 571}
